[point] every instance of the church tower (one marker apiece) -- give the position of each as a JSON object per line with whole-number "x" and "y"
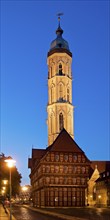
{"x": 59, "y": 108}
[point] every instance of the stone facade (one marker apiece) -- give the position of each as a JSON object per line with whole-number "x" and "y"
{"x": 103, "y": 189}
{"x": 91, "y": 190}
{"x": 60, "y": 108}
{"x": 98, "y": 191}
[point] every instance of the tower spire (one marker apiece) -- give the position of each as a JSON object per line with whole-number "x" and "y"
{"x": 59, "y": 108}
{"x": 59, "y": 15}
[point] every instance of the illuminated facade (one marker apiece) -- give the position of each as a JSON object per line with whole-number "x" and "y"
{"x": 98, "y": 191}
{"x": 60, "y": 108}
{"x": 103, "y": 189}
{"x": 91, "y": 191}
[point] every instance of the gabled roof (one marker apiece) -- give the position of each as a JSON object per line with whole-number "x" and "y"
{"x": 64, "y": 142}
{"x": 101, "y": 165}
{"x": 95, "y": 175}
{"x": 104, "y": 176}
{"x": 37, "y": 153}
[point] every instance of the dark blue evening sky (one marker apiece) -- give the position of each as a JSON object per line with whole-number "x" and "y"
{"x": 27, "y": 29}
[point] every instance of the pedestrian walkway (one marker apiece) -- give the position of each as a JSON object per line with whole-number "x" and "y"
{"x": 5, "y": 214}
{"x": 62, "y": 216}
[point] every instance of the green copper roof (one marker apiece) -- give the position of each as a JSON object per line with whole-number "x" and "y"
{"x": 59, "y": 42}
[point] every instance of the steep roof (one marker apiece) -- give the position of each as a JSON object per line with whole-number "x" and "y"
{"x": 59, "y": 44}
{"x": 64, "y": 142}
{"x": 101, "y": 165}
{"x": 95, "y": 175}
{"x": 37, "y": 154}
{"x": 104, "y": 176}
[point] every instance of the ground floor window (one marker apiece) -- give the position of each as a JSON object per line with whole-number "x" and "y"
{"x": 61, "y": 196}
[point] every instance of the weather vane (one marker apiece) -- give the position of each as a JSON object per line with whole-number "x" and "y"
{"x": 59, "y": 15}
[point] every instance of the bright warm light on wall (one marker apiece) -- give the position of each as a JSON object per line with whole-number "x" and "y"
{"x": 99, "y": 196}
{"x": 5, "y": 182}
{"x": 3, "y": 187}
{"x": 3, "y": 191}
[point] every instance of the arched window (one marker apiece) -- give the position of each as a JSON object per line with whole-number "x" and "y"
{"x": 60, "y": 69}
{"x": 61, "y": 121}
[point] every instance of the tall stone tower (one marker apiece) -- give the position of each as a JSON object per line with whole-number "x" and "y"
{"x": 59, "y": 108}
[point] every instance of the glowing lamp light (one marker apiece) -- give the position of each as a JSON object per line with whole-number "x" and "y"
{"x": 3, "y": 191}
{"x": 24, "y": 188}
{"x": 99, "y": 196}
{"x": 10, "y": 162}
{"x": 5, "y": 182}
{"x": 3, "y": 187}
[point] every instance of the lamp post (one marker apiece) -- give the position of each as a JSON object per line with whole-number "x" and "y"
{"x": 10, "y": 163}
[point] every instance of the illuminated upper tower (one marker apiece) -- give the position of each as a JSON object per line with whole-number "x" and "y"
{"x": 59, "y": 108}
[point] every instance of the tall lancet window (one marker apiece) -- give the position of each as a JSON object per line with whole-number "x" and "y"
{"x": 51, "y": 71}
{"x": 52, "y": 94}
{"x": 61, "y": 121}
{"x": 60, "y": 69}
{"x": 60, "y": 91}
{"x": 68, "y": 93}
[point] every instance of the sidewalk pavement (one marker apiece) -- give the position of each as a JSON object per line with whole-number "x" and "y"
{"x": 5, "y": 214}
{"x": 62, "y": 216}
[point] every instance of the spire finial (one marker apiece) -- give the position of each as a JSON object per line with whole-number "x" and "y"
{"x": 59, "y": 15}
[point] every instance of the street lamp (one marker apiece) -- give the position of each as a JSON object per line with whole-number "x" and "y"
{"x": 24, "y": 193}
{"x": 10, "y": 163}
{"x": 24, "y": 188}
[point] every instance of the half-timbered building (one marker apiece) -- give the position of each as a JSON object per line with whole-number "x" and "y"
{"x": 59, "y": 174}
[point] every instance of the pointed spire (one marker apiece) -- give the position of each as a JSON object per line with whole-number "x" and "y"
{"x": 59, "y": 31}
{"x": 58, "y": 21}
{"x": 59, "y": 42}
{"x": 59, "y": 15}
